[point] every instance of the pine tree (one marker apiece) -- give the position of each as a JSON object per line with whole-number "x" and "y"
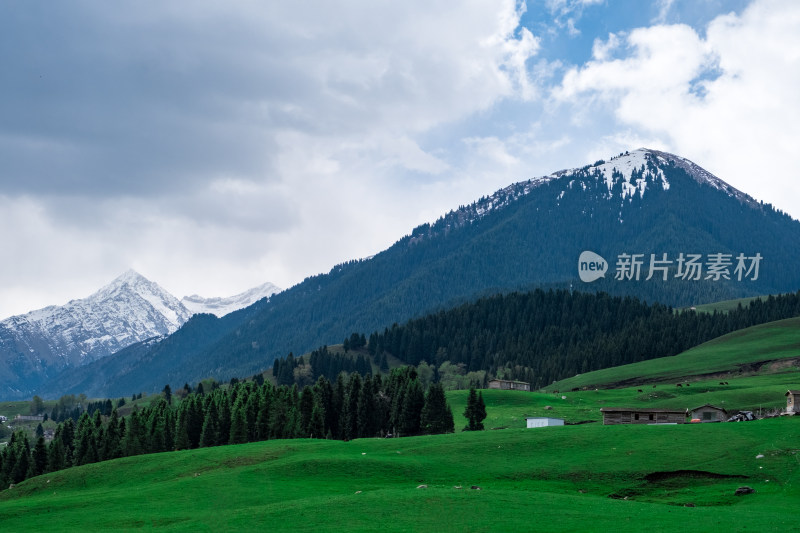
{"x": 413, "y": 402}
{"x": 475, "y": 412}
{"x": 316, "y": 428}
{"x": 264, "y": 405}
{"x": 132, "y": 444}
{"x": 85, "y": 446}
{"x": 56, "y": 456}
{"x": 224, "y": 410}
{"x": 349, "y": 417}
{"x": 20, "y": 457}
{"x": 365, "y": 418}
{"x": 167, "y": 391}
{"x": 210, "y": 433}
{"x": 436, "y": 415}
{"x": 111, "y": 443}
{"x": 39, "y": 465}
{"x": 306, "y": 410}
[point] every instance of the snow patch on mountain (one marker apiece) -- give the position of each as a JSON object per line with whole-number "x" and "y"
{"x": 222, "y": 306}
{"x": 129, "y": 309}
{"x": 703, "y": 176}
{"x": 634, "y": 173}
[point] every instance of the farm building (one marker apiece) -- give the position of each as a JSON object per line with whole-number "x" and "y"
{"x": 709, "y": 413}
{"x": 29, "y": 418}
{"x": 793, "y": 401}
{"x": 505, "y": 384}
{"x": 543, "y": 421}
{"x": 624, "y": 415}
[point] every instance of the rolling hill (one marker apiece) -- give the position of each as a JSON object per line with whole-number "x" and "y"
{"x": 770, "y": 347}
{"x": 572, "y": 478}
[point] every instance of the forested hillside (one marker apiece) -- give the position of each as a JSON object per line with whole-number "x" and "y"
{"x": 542, "y": 336}
{"x": 346, "y": 409}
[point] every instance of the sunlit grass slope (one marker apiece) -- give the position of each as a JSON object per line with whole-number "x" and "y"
{"x": 736, "y": 353}
{"x": 571, "y": 478}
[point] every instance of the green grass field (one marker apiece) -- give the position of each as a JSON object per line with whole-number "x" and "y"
{"x": 735, "y": 354}
{"x": 757, "y": 393}
{"x": 571, "y": 478}
{"x": 579, "y": 477}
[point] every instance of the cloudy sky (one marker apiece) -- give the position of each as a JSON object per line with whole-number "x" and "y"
{"x": 213, "y": 146}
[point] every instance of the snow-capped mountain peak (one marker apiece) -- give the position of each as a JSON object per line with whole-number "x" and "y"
{"x": 627, "y": 176}
{"x": 633, "y": 169}
{"x": 222, "y": 306}
{"x": 133, "y": 283}
{"x": 130, "y": 309}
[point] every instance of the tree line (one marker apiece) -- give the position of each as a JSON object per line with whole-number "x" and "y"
{"x": 350, "y": 407}
{"x": 320, "y": 362}
{"x": 543, "y": 336}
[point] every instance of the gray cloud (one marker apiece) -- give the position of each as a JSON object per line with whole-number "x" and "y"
{"x": 214, "y": 146}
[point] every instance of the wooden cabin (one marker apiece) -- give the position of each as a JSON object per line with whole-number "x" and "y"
{"x": 625, "y": 415}
{"x": 709, "y": 413}
{"x": 793, "y": 401}
{"x": 507, "y": 384}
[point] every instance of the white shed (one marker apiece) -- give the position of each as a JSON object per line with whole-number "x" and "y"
{"x": 543, "y": 421}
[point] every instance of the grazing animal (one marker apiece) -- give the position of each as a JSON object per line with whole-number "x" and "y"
{"x": 687, "y": 384}
{"x": 638, "y": 390}
{"x": 678, "y": 385}
{"x": 654, "y": 386}
{"x": 722, "y": 383}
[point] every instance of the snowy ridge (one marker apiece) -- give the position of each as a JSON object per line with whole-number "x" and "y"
{"x": 128, "y": 310}
{"x": 633, "y": 173}
{"x": 477, "y": 210}
{"x": 632, "y": 169}
{"x": 703, "y": 176}
{"x": 222, "y": 306}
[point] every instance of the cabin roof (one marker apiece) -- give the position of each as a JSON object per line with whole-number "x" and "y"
{"x": 708, "y": 405}
{"x": 639, "y": 410}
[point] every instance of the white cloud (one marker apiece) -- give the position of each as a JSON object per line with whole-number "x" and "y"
{"x": 220, "y": 146}
{"x": 602, "y": 50}
{"x": 726, "y": 100}
{"x": 664, "y": 7}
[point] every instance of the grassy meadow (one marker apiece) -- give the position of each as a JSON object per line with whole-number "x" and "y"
{"x": 580, "y": 477}
{"x": 762, "y": 349}
{"x": 572, "y": 478}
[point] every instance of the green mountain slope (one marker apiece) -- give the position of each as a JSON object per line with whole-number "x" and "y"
{"x": 571, "y": 478}
{"x": 768, "y": 347}
{"x": 527, "y": 235}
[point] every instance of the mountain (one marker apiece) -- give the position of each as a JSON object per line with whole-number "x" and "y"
{"x": 130, "y": 310}
{"x": 41, "y": 343}
{"x": 223, "y": 306}
{"x": 641, "y": 214}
